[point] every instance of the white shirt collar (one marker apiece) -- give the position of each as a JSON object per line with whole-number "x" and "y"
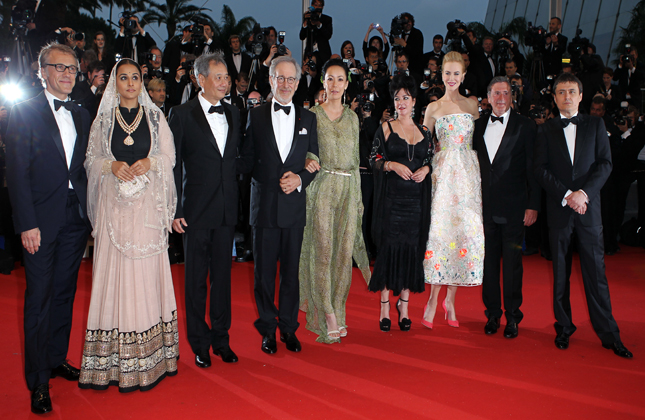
{"x": 289, "y": 104}
{"x": 504, "y": 115}
{"x": 206, "y": 105}
{"x": 50, "y": 99}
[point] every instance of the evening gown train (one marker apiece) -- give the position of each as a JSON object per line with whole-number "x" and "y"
{"x": 455, "y": 250}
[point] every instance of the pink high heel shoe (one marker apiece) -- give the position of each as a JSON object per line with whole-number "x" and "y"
{"x": 454, "y": 323}
{"x": 423, "y": 321}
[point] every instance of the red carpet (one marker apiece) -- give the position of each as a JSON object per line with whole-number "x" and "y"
{"x": 445, "y": 373}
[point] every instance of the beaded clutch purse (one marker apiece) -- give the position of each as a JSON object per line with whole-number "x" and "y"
{"x": 129, "y": 188}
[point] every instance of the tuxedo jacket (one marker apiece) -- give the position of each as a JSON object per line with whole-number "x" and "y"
{"x": 245, "y": 67}
{"x": 414, "y": 48}
{"x": 307, "y": 93}
{"x": 509, "y": 186}
{"x": 321, "y": 37}
{"x": 270, "y": 206}
{"x": 37, "y": 174}
{"x": 553, "y": 56}
{"x": 123, "y": 45}
{"x": 591, "y": 168}
{"x": 206, "y": 186}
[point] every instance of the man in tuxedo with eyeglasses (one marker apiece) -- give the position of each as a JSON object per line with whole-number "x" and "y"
{"x": 279, "y": 136}
{"x": 572, "y": 161}
{"x": 46, "y": 143}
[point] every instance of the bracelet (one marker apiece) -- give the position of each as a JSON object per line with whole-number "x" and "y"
{"x": 387, "y": 166}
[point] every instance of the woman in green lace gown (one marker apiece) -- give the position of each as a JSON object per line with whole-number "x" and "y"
{"x": 334, "y": 212}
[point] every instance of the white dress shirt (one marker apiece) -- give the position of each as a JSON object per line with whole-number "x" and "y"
{"x": 494, "y": 133}
{"x": 570, "y": 136}
{"x": 237, "y": 60}
{"x": 217, "y": 122}
{"x": 66, "y": 127}
{"x": 283, "y": 127}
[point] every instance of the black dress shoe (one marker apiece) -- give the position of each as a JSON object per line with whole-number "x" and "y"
{"x": 291, "y": 341}
{"x": 203, "y": 359}
{"x": 245, "y": 256}
{"x": 269, "y": 345}
{"x": 562, "y": 341}
{"x": 530, "y": 251}
{"x": 67, "y": 371}
{"x": 228, "y": 356}
{"x": 619, "y": 349}
{"x": 492, "y": 325}
{"x": 547, "y": 256}
{"x": 511, "y": 330}
{"x": 41, "y": 403}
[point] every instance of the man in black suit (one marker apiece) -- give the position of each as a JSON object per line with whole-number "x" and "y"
{"x": 412, "y": 43}
{"x": 279, "y": 135}
{"x": 510, "y": 197}
{"x": 237, "y": 61}
{"x": 554, "y": 46}
{"x": 207, "y": 136}
{"x": 482, "y": 63}
{"x": 572, "y": 163}
{"x": 317, "y": 29}
{"x": 46, "y": 143}
{"x": 310, "y": 82}
{"x": 134, "y": 44}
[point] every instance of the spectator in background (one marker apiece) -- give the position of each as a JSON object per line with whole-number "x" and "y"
{"x": 157, "y": 92}
{"x": 554, "y": 46}
{"x": 482, "y": 64}
{"x": 237, "y": 61}
{"x": 309, "y": 82}
{"x": 437, "y": 49}
{"x": 103, "y": 52}
{"x": 138, "y": 43}
{"x": 347, "y": 52}
{"x": 381, "y": 44}
{"x": 469, "y": 86}
{"x": 609, "y": 91}
{"x": 412, "y": 42}
{"x": 630, "y": 76}
{"x": 317, "y": 29}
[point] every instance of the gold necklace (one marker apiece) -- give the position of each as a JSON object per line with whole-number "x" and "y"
{"x": 129, "y": 128}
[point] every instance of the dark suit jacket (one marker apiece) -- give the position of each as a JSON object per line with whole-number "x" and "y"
{"x": 320, "y": 36}
{"x": 414, "y": 48}
{"x": 305, "y": 92}
{"x": 553, "y": 56}
{"x": 245, "y": 67}
{"x": 206, "y": 187}
{"x": 479, "y": 65}
{"x": 508, "y": 184}
{"x": 270, "y": 206}
{"x": 144, "y": 43}
{"x": 37, "y": 174}
{"x": 591, "y": 168}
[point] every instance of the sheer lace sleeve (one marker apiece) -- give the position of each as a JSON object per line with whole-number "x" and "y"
{"x": 377, "y": 156}
{"x": 428, "y": 135}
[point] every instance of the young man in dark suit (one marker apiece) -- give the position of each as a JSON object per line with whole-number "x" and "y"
{"x": 317, "y": 30}
{"x": 207, "y": 137}
{"x": 279, "y": 135}
{"x": 46, "y": 143}
{"x": 237, "y": 61}
{"x": 572, "y": 162}
{"x": 504, "y": 142}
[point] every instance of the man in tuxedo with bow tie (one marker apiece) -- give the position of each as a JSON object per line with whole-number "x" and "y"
{"x": 510, "y": 198}
{"x": 572, "y": 163}
{"x": 279, "y": 136}
{"x": 46, "y": 142}
{"x": 207, "y": 135}
{"x": 237, "y": 61}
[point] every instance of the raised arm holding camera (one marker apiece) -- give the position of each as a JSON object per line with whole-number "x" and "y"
{"x": 380, "y": 44}
{"x": 410, "y": 40}
{"x": 132, "y": 39}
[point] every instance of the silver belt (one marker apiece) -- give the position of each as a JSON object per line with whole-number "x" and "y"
{"x": 337, "y": 172}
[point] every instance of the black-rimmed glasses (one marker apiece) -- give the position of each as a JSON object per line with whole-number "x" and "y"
{"x": 62, "y": 67}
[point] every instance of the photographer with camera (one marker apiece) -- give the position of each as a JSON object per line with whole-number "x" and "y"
{"x": 184, "y": 87}
{"x": 309, "y": 83}
{"x": 483, "y": 66}
{"x": 555, "y": 44}
{"x": 273, "y": 46}
{"x": 132, "y": 39}
{"x": 45, "y": 17}
{"x": 630, "y": 76}
{"x": 381, "y": 44}
{"x": 609, "y": 91}
{"x": 317, "y": 29}
{"x": 410, "y": 39}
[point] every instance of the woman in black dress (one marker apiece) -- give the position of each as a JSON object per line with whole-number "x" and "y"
{"x": 401, "y": 156}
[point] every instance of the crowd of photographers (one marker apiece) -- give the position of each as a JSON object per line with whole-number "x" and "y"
{"x": 613, "y": 94}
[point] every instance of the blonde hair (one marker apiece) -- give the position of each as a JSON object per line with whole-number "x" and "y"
{"x": 454, "y": 57}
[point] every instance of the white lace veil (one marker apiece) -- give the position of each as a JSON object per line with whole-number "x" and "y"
{"x": 137, "y": 226}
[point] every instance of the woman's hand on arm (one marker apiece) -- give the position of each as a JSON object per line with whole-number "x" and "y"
{"x": 122, "y": 171}
{"x": 141, "y": 167}
{"x": 311, "y": 165}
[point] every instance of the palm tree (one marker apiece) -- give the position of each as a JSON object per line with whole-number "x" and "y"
{"x": 632, "y": 34}
{"x": 172, "y": 13}
{"x": 229, "y": 26}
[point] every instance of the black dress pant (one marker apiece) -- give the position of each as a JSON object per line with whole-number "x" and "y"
{"x": 592, "y": 263}
{"x": 208, "y": 251}
{"x": 503, "y": 241}
{"x": 52, "y": 274}
{"x": 269, "y": 246}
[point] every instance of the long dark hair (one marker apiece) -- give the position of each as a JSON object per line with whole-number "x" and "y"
{"x": 335, "y": 62}
{"x": 125, "y": 61}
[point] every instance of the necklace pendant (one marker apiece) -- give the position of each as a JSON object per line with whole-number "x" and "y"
{"x": 129, "y": 141}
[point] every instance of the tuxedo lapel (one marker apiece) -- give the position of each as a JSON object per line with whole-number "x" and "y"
{"x": 78, "y": 123}
{"x": 229, "y": 148}
{"x": 202, "y": 123}
{"x": 581, "y": 131}
{"x": 558, "y": 133}
{"x": 481, "y": 125}
{"x": 50, "y": 122}
{"x": 296, "y": 132}
{"x": 508, "y": 139}
{"x": 271, "y": 133}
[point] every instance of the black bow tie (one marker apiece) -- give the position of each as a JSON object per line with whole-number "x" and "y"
{"x": 494, "y": 118}
{"x": 234, "y": 54}
{"x": 565, "y": 121}
{"x": 219, "y": 109}
{"x": 69, "y": 105}
{"x": 277, "y": 107}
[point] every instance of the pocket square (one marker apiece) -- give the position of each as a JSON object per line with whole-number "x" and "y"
{"x": 303, "y": 131}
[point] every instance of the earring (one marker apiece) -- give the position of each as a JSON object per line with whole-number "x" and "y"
{"x": 412, "y": 115}
{"x": 344, "y": 99}
{"x": 396, "y": 115}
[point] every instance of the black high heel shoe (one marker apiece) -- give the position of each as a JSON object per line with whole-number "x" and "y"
{"x": 404, "y": 323}
{"x": 385, "y": 323}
